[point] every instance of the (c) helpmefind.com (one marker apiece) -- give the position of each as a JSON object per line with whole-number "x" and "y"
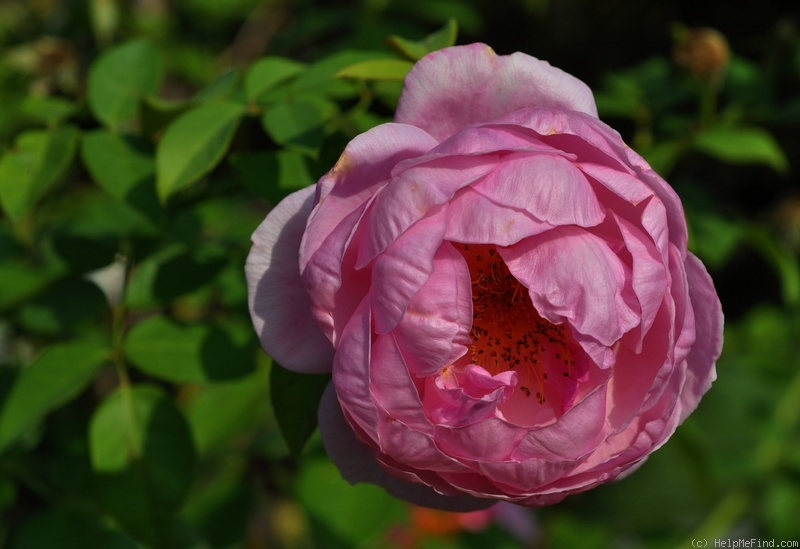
{"x": 744, "y": 543}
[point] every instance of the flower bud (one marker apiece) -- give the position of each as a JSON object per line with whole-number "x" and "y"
{"x": 703, "y": 52}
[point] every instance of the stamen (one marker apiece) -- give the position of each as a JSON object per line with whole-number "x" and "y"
{"x": 507, "y": 332}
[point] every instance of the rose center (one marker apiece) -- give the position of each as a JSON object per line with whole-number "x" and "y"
{"x": 508, "y": 334}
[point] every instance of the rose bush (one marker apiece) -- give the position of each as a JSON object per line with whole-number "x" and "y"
{"x": 500, "y": 287}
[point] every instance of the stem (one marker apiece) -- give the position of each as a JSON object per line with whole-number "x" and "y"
{"x": 119, "y": 313}
{"x": 708, "y": 104}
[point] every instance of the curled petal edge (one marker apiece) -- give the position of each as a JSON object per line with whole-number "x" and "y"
{"x": 279, "y": 304}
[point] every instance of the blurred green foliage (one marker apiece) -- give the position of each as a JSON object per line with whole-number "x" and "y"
{"x": 143, "y": 142}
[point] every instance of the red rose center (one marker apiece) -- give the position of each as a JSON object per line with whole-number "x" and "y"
{"x": 508, "y": 333}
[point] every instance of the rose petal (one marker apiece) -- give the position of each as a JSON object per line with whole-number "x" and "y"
{"x": 335, "y": 286}
{"x": 548, "y": 187}
{"x": 402, "y": 269}
{"x": 462, "y": 396}
{"x": 493, "y": 439}
{"x": 419, "y": 190}
{"x": 634, "y": 373}
{"x": 701, "y": 371}
{"x": 595, "y": 143}
{"x": 351, "y": 370}
{"x": 434, "y": 330}
{"x": 279, "y": 304}
{"x": 392, "y": 388}
{"x": 573, "y": 277}
{"x": 365, "y": 166}
{"x": 357, "y": 463}
{"x": 572, "y": 436}
{"x": 649, "y": 276}
{"x": 455, "y": 87}
{"x": 476, "y": 219}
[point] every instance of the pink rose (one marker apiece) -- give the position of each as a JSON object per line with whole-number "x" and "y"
{"x": 500, "y": 287}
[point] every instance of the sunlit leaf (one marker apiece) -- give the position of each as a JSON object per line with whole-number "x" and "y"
{"x": 344, "y": 515}
{"x": 298, "y": 124}
{"x": 224, "y": 86}
{"x": 121, "y": 78}
{"x": 415, "y": 50}
{"x": 738, "y": 145}
{"x": 124, "y": 166}
{"x": 56, "y": 377}
{"x": 49, "y": 110}
{"x": 218, "y": 411}
{"x": 318, "y": 78}
{"x": 33, "y": 166}
{"x": 185, "y": 353}
{"x": 143, "y": 457}
{"x": 194, "y": 144}
{"x": 379, "y": 69}
{"x": 268, "y": 72}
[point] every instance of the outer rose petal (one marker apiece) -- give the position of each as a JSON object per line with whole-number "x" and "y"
{"x": 279, "y": 303}
{"x": 365, "y": 165}
{"x": 701, "y": 371}
{"x": 456, "y": 87}
{"x": 357, "y": 463}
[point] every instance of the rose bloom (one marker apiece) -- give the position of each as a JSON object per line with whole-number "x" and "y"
{"x": 500, "y": 287}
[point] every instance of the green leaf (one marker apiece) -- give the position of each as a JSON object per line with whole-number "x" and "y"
{"x": 22, "y": 279}
{"x": 55, "y": 378}
{"x": 143, "y": 458}
{"x": 68, "y": 529}
{"x": 124, "y": 166}
{"x": 443, "y": 38}
{"x": 295, "y": 399}
{"x": 85, "y": 253}
{"x": 93, "y": 215}
{"x": 379, "y": 69}
{"x": 33, "y": 166}
{"x": 273, "y": 174}
{"x": 713, "y": 238}
{"x": 194, "y": 144}
{"x": 344, "y": 515}
{"x": 220, "y": 508}
{"x": 120, "y": 79}
{"x": 171, "y": 273}
{"x": 186, "y": 353}
{"x": 267, "y": 73}
{"x": 225, "y": 86}
{"x": 318, "y": 79}
{"x": 48, "y": 110}
{"x": 218, "y": 412}
{"x": 738, "y": 145}
{"x": 663, "y": 155}
{"x": 621, "y": 96}
{"x": 298, "y": 124}
{"x": 65, "y": 306}
{"x": 566, "y": 530}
